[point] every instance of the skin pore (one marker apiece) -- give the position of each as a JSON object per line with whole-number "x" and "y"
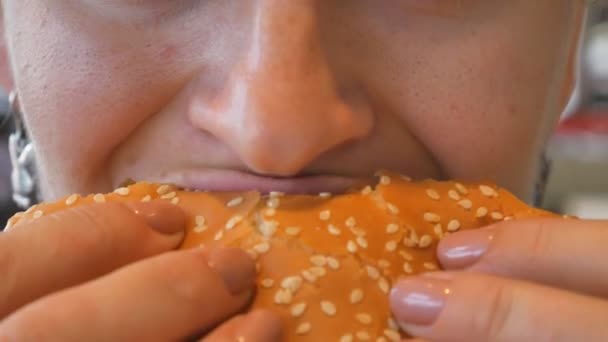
{"x": 184, "y": 90}
{"x": 300, "y": 95}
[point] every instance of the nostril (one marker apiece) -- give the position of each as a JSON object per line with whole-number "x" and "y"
{"x": 284, "y": 132}
{"x": 282, "y": 106}
{"x": 288, "y": 153}
{"x": 274, "y": 157}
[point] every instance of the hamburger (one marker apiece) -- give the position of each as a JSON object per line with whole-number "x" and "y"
{"x": 326, "y": 263}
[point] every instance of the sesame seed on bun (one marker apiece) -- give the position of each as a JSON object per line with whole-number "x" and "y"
{"x": 326, "y": 262}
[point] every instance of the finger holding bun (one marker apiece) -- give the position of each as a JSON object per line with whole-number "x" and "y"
{"x": 79, "y": 244}
{"x": 326, "y": 263}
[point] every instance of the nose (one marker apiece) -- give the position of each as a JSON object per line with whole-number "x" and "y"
{"x": 282, "y": 106}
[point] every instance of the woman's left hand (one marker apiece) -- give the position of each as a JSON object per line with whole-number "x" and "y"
{"x": 533, "y": 280}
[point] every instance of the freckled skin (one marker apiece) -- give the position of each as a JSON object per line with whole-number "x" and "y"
{"x": 116, "y": 90}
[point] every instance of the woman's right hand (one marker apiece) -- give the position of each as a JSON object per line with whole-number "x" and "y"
{"x": 108, "y": 272}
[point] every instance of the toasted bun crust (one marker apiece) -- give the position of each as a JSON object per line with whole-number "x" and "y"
{"x": 326, "y": 263}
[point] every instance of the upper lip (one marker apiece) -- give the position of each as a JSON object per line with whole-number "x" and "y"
{"x": 231, "y": 180}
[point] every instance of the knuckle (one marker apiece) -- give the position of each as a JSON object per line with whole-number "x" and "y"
{"x": 527, "y": 242}
{"x": 99, "y": 229}
{"x": 185, "y": 286}
{"x": 497, "y": 258}
{"x": 106, "y": 216}
{"x": 539, "y": 241}
{"x": 194, "y": 289}
{"x": 495, "y": 321}
{"x": 104, "y": 226}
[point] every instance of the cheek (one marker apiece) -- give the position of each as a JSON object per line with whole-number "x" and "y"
{"x": 497, "y": 106}
{"x": 480, "y": 95}
{"x": 485, "y": 117}
{"x": 84, "y": 92}
{"x": 74, "y": 121}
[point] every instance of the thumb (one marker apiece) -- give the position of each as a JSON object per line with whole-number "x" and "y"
{"x": 474, "y": 307}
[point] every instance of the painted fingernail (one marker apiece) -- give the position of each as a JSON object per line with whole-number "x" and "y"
{"x": 163, "y": 217}
{"x": 419, "y": 300}
{"x": 261, "y": 325}
{"x": 235, "y": 266}
{"x": 464, "y": 248}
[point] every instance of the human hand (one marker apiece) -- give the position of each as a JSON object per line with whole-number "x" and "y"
{"x": 533, "y": 280}
{"x": 107, "y": 272}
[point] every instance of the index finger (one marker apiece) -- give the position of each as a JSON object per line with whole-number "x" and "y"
{"x": 81, "y": 243}
{"x": 556, "y": 252}
{"x": 474, "y": 307}
{"x": 169, "y": 297}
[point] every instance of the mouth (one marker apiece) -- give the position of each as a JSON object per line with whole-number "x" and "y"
{"x": 234, "y": 181}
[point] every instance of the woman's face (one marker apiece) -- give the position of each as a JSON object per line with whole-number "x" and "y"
{"x": 288, "y": 95}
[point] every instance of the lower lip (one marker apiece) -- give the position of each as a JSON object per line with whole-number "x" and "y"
{"x": 228, "y": 180}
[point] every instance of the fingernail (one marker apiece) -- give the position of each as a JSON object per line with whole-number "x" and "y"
{"x": 163, "y": 217}
{"x": 419, "y": 300}
{"x": 464, "y": 248}
{"x": 235, "y": 266}
{"x": 261, "y": 325}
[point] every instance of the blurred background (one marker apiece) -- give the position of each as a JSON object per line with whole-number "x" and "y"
{"x": 578, "y": 183}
